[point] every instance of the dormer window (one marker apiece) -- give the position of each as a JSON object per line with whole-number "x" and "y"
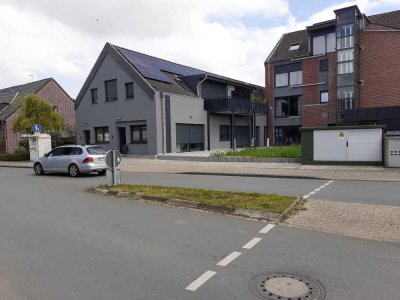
{"x": 294, "y": 47}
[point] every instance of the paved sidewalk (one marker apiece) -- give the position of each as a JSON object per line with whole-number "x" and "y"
{"x": 376, "y": 222}
{"x": 285, "y": 170}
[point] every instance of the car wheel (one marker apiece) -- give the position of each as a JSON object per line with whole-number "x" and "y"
{"x": 38, "y": 169}
{"x": 102, "y": 172}
{"x": 73, "y": 170}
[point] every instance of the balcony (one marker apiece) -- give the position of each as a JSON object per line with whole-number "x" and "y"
{"x": 228, "y": 105}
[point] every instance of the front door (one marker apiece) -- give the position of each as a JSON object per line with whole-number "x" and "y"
{"x": 86, "y": 134}
{"x": 122, "y": 140}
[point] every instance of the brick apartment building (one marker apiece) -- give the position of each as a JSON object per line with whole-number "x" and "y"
{"x": 344, "y": 71}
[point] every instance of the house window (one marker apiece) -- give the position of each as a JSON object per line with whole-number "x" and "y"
{"x": 345, "y": 55}
{"x": 294, "y": 47}
{"x": 95, "y": 96}
{"x": 345, "y": 42}
{"x": 324, "y": 96}
{"x": 139, "y": 134}
{"x": 102, "y": 134}
{"x": 281, "y": 79}
{"x": 346, "y": 68}
{"x": 323, "y": 65}
{"x": 111, "y": 90}
{"x": 319, "y": 45}
{"x": 346, "y": 95}
{"x": 224, "y": 133}
{"x": 129, "y": 90}
{"x": 296, "y": 78}
{"x": 285, "y": 136}
{"x": 288, "y": 106}
{"x": 345, "y": 30}
{"x": 324, "y": 44}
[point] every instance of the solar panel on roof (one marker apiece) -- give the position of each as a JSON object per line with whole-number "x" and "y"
{"x": 152, "y": 67}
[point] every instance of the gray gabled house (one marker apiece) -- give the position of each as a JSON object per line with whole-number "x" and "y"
{"x": 146, "y": 105}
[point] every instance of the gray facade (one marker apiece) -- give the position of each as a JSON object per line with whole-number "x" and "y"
{"x": 162, "y": 117}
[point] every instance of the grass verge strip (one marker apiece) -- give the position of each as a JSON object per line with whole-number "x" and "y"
{"x": 256, "y": 201}
{"x": 266, "y": 152}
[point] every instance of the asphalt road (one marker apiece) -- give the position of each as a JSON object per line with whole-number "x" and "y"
{"x": 59, "y": 242}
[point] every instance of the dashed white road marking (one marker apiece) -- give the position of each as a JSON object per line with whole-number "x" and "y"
{"x": 317, "y": 189}
{"x": 200, "y": 281}
{"x": 252, "y": 243}
{"x": 267, "y": 228}
{"x": 228, "y": 259}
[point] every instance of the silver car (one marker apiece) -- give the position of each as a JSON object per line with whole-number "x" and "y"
{"x": 73, "y": 160}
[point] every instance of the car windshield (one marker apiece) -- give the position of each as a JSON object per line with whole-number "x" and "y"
{"x": 96, "y": 150}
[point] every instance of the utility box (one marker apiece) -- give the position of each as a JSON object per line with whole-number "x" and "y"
{"x": 392, "y": 151}
{"x": 342, "y": 145}
{"x": 39, "y": 145}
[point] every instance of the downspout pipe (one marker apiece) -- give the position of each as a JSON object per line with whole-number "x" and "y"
{"x": 199, "y": 84}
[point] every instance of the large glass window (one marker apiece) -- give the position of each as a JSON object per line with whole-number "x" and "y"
{"x": 224, "y": 133}
{"x": 139, "y": 134}
{"x": 296, "y": 77}
{"x": 319, "y": 45}
{"x": 345, "y": 42}
{"x": 346, "y": 95}
{"x": 102, "y": 134}
{"x": 324, "y": 44}
{"x": 330, "y": 42}
{"x": 345, "y": 30}
{"x": 281, "y": 79}
{"x": 285, "y": 136}
{"x": 346, "y": 68}
{"x": 345, "y": 55}
{"x": 111, "y": 90}
{"x": 288, "y": 106}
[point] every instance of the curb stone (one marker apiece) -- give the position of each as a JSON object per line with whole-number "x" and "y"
{"x": 243, "y": 212}
{"x": 290, "y": 208}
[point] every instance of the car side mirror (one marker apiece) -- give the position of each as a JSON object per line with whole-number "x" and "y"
{"x": 46, "y": 155}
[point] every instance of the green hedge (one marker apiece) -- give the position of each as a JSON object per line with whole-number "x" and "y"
{"x": 19, "y": 156}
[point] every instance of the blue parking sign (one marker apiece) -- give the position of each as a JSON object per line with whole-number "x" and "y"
{"x": 36, "y": 128}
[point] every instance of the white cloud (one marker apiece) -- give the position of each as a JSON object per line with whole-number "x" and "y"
{"x": 62, "y": 39}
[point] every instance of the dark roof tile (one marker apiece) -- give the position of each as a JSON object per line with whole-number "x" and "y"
{"x": 14, "y": 96}
{"x": 282, "y": 51}
{"x": 389, "y": 19}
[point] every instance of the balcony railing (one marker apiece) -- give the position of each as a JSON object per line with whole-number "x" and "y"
{"x": 234, "y": 105}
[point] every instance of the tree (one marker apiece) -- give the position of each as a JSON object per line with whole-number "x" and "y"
{"x": 37, "y": 111}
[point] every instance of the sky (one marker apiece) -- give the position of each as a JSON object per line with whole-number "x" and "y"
{"x": 62, "y": 39}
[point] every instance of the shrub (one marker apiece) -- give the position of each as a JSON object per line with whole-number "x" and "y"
{"x": 17, "y": 156}
{"x": 24, "y": 144}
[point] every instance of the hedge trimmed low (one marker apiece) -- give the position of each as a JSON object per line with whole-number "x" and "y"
{"x": 20, "y": 156}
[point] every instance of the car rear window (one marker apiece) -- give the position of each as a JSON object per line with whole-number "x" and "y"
{"x": 96, "y": 150}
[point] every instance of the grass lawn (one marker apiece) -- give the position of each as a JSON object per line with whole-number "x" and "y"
{"x": 271, "y": 152}
{"x": 256, "y": 201}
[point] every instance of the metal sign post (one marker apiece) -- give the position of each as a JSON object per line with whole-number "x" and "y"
{"x": 113, "y": 160}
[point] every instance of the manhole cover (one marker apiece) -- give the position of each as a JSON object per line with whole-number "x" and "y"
{"x": 286, "y": 286}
